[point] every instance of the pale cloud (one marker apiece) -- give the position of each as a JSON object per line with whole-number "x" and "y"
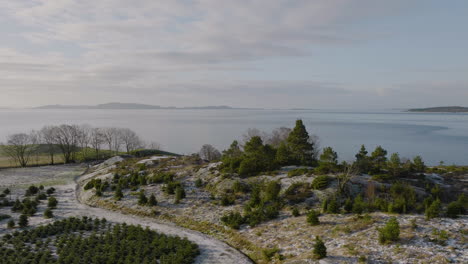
{"x": 181, "y": 48}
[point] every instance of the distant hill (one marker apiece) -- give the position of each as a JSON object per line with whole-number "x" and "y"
{"x": 116, "y": 105}
{"x": 441, "y": 109}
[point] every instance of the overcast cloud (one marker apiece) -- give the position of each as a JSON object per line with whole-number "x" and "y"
{"x": 257, "y": 53}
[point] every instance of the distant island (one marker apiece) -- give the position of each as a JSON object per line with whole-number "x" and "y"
{"x": 128, "y": 106}
{"x": 441, "y": 109}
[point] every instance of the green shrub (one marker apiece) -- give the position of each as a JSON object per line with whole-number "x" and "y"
{"x": 348, "y": 206}
{"x": 358, "y": 205}
{"x": 297, "y": 192}
{"x": 52, "y": 202}
{"x": 48, "y": 213}
{"x": 434, "y": 210}
{"x": 23, "y": 221}
{"x": 390, "y": 232}
{"x": 233, "y": 219}
{"x": 198, "y": 183}
{"x": 320, "y": 250}
{"x": 118, "y": 195}
{"x": 269, "y": 253}
{"x": 312, "y": 217}
{"x": 152, "y": 200}
{"x": 298, "y": 172}
{"x": 295, "y": 212}
{"x": 320, "y": 182}
{"x": 228, "y": 199}
{"x": 333, "y": 207}
{"x": 142, "y": 199}
{"x": 179, "y": 194}
{"x": 4, "y": 216}
{"x": 11, "y": 223}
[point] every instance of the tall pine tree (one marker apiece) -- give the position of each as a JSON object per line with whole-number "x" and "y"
{"x": 302, "y": 150}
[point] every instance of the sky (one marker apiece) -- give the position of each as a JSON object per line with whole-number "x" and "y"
{"x": 327, "y": 54}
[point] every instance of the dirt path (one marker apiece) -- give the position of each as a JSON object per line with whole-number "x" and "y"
{"x": 212, "y": 250}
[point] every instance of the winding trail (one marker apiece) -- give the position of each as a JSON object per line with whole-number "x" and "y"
{"x": 211, "y": 250}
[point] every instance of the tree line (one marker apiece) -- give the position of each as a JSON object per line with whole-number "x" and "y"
{"x": 72, "y": 143}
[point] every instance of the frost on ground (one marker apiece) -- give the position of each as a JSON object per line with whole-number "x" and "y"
{"x": 212, "y": 250}
{"x": 349, "y": 238}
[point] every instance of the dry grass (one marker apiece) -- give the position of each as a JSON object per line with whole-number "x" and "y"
{"x": 6, "y": 162}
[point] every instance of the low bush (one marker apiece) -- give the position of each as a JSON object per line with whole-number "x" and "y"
{"x": 320, "y": 182}
{"x": 233, "y": 219}
{"x": 390, "y": 232}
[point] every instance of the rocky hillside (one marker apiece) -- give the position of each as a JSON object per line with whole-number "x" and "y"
{"x": 268, "y": 217}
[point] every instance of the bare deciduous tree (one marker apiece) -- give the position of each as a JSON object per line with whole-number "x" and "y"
{"x": 66, "y": 138}
{"x": 96, "y": 140}
{"x": 153, "y": 145}
{"x": 130, "y": 140}
{"x": 19, "y": 147}
{"x": 349, "y": 171}
{"x": 210, "y": 153}
{"x": 109, "y": 134}
{"x": 277, "y": 136}
{"x": 47, "y": 138}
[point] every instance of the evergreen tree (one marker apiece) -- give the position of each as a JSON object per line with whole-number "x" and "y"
{"x": 11, "y": 223}
{"x": 302, "y": 150}
{"x": 232, "y": 157}
{"x": 378, "y": 158}
{"x": 283, "y": 154}
{"x": 362, "y": 160}
{"x": 320, "y": 250}
{"x": 333, "y": 207}
{"x": 48, "y": 213}
{"x": 328, "y": 161}
{"x": 418, "y": 164}
{"x": 390, "y": 232}
{"x": 394, "y": 165}
{"x": 142, "y": 199}
{"x": 295, "y": 212}
{"x": 52, "y": 202}
{"x": 179, "y": 194}
{"x": 152, "y": 200}
{"x": 434, "y": 210}
{"x": 348, "y": 206}
{"x": 23, "y": 221}
{"x": 312, "y": 218}
{"x": 118, "y": 195}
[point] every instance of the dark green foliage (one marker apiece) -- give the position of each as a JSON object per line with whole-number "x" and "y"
{"x": 295, "y": 212}
{"x": 269, "y": 253}
{"x": 390, "y": 232}
{"x": 363, "y": 162}
{"x": 358, "y": 205}
{"x": 233, "y": 220}
{"x": 41, "y": 196}
{"x": 118, "y": 195}
{"x": 171, "y": 187}
{"x": 152, "y": 200}
{"x": 297, "y": 192}
{"x": 179, "y": 194}
{"x": 240, "y": 187}
{"x": 378, "y": 159}
{"x": 301, "y": 149}
{"x": 283, "y": 155}
{"x": 52, "y": 202}
{"x": 94, "y": 241}
{"x": 328, "y": 161}
{"x": 257, "y": 158}
{"x": 48, "y": 213}
{"x": 394, "y": 165}
{"x": 32, "y": 190}
{"x": 458, "y": 207}
{"x": 232, "y": 157}
{"x": 320, "y": 182}
{"x": 4, "y": 216}
{"x": 23, "y": 221}
{"x": 142, "y": 199}
{"x": 312, "y": 217}
{"x": 11, "y": 223}
{"x": 320, "y": 250}
{"x": 198, "y": 183}
{"x": 227, "y": 199}
{"x": 6, "y": 191}
{"x": 272, "y": 190}
{"x": 434, "y": 210}
{"x": 403, "y": 198}
{"x": 29, "y": 207}
{"x": 333, "y": 207}
{"x": 298, "y": 172}
{"x": 348, "y": 205}
{"x": 50, "y": 191}
{"x": 418, "y": 165}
